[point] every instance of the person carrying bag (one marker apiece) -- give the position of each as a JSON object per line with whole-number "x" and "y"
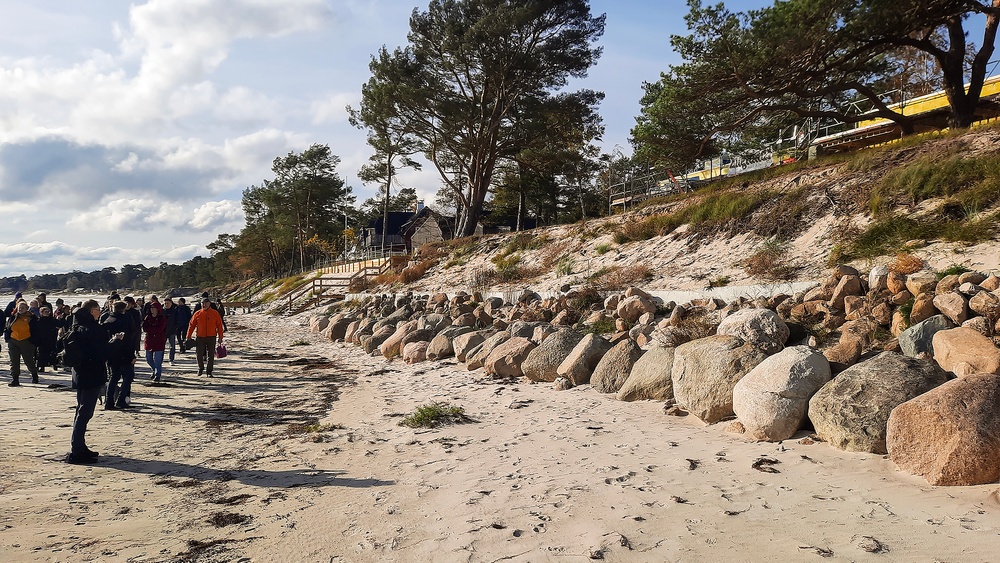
{"x": 207, "y": 323}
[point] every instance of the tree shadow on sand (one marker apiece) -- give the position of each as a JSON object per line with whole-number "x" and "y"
{"x": 253, "y": 477}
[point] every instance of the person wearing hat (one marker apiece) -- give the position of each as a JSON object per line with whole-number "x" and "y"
{"x": 207, "y": 322}
{"x": 9, "y": 309}
{"x": 20, "y": 328}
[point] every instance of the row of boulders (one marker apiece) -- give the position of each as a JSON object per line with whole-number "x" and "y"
{"x": 755, "y": 360}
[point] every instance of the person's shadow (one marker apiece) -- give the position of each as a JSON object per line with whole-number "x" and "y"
{"x": 253, "y": 477}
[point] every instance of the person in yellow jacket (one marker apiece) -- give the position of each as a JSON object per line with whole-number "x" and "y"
{"x": 21, "y": 327}
{"x": 208, "y": 324}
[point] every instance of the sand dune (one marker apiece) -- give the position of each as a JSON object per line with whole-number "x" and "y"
{"x": 294, "y": 453}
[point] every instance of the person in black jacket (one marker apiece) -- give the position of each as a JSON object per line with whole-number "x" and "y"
{"x": 45, "y": 338}
{"x": 121, "y": 357}
{"x": 183, "y": 319}
{"x": 170, "y": 313}
{"x": 91, "y": 374}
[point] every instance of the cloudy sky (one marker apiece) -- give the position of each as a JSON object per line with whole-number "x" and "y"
{"x": 128, "y": 130}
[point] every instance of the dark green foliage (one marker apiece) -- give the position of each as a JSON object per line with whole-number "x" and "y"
{"x": 435, "y": 414}
{"x": 474, "y": 89}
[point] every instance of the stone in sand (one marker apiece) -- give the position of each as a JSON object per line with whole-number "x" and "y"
{"x": 631, "y": 308}
{"x": 318, "y": 322}
{"x": 505, "y": 360}
{"x": 442, "y": 345}
{"x": 615, "y": 367}
{"x": 771, "y": 401}
{"x": 851, "y": 410}
{"x": 650, "y": 377}
{"x": 435, "y": 322}
{"x": 916, "y": 340}
{"x": 950, "y": 435}
{"x": 581, "y": 361}
{"x": 542, "y": 363}
{"x": 374, "y": 341}
{"x": 477, "y": 358}
{"x": 953, "y": 306}
{"x": 963, "y": 351}
{"x": 706, "y": 370}
{"x": 338, "y": 327}
{"x": 464, "y": 343}
{"x": 761, "y": 328}
{"x": 393, "y": 345}
{"x": 414, "y": 352}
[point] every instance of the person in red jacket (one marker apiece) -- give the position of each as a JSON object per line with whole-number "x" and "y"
{"x": 155, "y": 327}
{"x": 208, "y": 324}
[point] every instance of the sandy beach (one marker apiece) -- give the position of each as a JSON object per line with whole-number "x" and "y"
{"x": 293, "y": 452}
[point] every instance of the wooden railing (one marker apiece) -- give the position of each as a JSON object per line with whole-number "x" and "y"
{"x": 328, "y": 288}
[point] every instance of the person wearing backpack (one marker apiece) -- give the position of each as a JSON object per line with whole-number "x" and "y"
{"x": 183, "y": 318}
{"x": 19, "y": 329}
{"x": 121, "y": 358}
{"x": 87, "y": 347}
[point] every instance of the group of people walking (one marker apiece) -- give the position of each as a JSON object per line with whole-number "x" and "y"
{"x": 108, "y": 340}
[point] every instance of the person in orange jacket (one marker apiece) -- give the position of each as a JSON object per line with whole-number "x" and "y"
{"x": 208, "y": 324}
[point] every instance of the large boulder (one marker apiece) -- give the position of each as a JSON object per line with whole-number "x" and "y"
{"x": 706, "y": 370}
{"x": 953, "y": 306}
{"x": 373, "y": 342}
{"x": 414, "y": 352}
{"x": 631, "y": 308}
{"x": 442, "y": 345}
{"x": 650, "y": 377}
{"x": 466, "y": 342}
{"x": 338, "y": 327}
{"x": 542, "y": 363}
{"x": 950, "y": 435}
{"x": 434, "y": 321}
{"x": 761, "y": 328}
{"x": 318, "y": 322}
{"x": 847, "y": 286}
{"x": 771, "y": 401}
{"x": 963, "y": 351}
{"x": 505, "y": 360}
{"x": 581, "y": 361}
{"x": 851, "y": 410}
{"x": 916, "y": 340}
{"x": 476, "y": 359}
{"x": 418, "y": 335}
{"x": 986, "y": 304}
{"x": 921, "y": 282}
{"x": 615, "y": 367}
{"x": 394, "y": 344}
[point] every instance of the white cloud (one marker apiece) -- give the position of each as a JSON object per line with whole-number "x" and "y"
{"x": 212, "y": 215}
{"x": 333, "y": 108}
{"x": 134, "y": 214}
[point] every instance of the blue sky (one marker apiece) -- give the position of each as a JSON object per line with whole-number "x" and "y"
{"x": 129, "y": 130}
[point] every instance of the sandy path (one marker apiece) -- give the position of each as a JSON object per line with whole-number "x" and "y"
{"x": 306, "y": 462}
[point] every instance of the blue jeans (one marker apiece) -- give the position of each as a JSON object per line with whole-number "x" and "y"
{"x": 172, "y": 342}
{"x": 155, "y": 361}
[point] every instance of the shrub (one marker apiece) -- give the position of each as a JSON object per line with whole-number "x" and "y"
{"x": 953, "y": 270}
{"x": 435, "y": 414}
{"x": 617, "y": 278}
{"x": 585, "y": 297}
{"x": 602, "y": 249}
{"x": 770, "y": 262}
{"x": 603, "y": 326}
{"x": 565, "y": 266}
{"x": 906, "y": 264}
{"x": 720, "y": 281}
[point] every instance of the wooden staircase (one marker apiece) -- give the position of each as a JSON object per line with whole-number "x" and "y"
{"x": 333, "y": 286}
